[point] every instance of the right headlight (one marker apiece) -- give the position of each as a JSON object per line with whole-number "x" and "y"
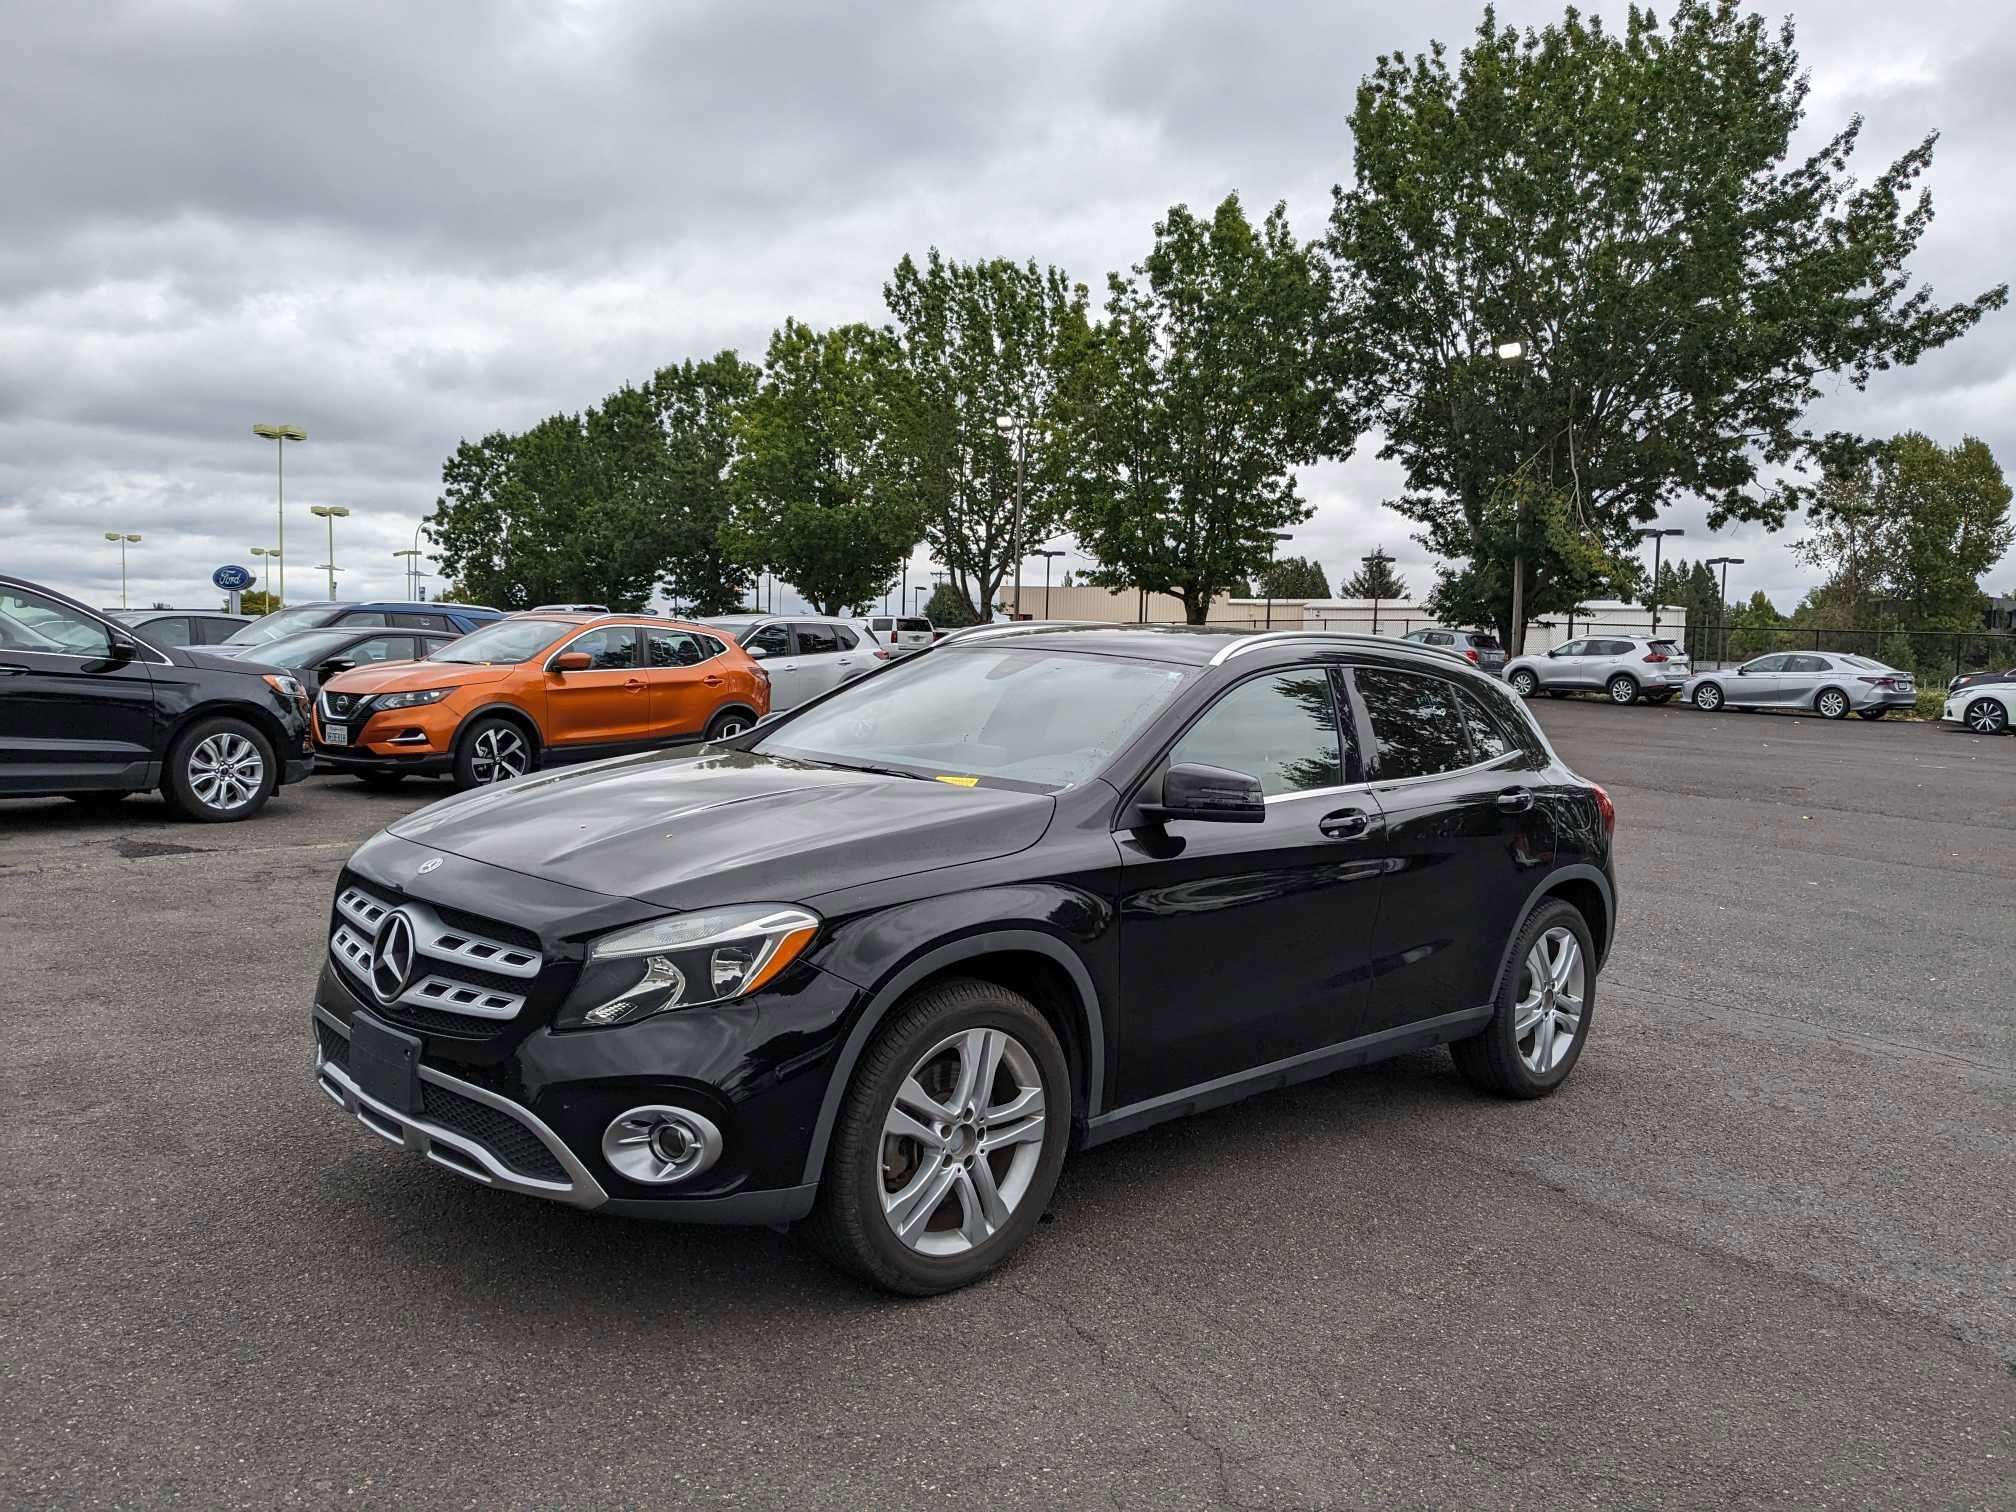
{"x": 686, "y": 961}
{"x": 386, "y": 701}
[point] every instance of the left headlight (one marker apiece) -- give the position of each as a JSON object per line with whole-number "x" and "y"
{"x": 285, "y": 686}
{"x": 686, "y": 961}
{"x": 386, "y": 701}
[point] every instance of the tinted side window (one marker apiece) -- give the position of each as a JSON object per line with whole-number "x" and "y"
{"x": 879, "y": 626}
{"x": 360, "y": 617}
{"x": 1767, "y": 664}
{"x": 1808, "y": 664}
{"x": 612, "y": 649}
{"x": 676, "y": 648}
{"x": 1575, "y": 648}
{"x": 423, "y": 621}
{"x": 849, "y": 641}
{"x": 168, "y": 632}
{"x": 1417, "y": 729}
{"x": 816, "y": 640}
{"x": 771, "y": 640}
{"x": 1487, "y": 740}
{"x": 30, "y": 622}
{"x": 1282, "y": 729}
{"x": 214, "y": 632}
{"x": 381, "y": 648}
{"x": 919, "y": 626}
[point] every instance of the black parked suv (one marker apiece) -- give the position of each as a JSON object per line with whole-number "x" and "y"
{"x": 882, "y": 962}
{"x": 93, "y": 710}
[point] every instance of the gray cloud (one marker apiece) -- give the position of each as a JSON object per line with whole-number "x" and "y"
{"x": 402, "y": 225}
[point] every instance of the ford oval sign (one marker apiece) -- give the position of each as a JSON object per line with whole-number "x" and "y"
{"x": 232, "y": 579}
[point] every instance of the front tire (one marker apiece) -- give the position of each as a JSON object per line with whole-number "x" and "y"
{"x": 1623, "y": 689}
{"x": 220, "y": 771}
{"x": 949, "y": 1141}
{"x": 1524, "y": 683}
{"x": 1986, "y": 716}
{"x": 1832, "y": 704}
{"x": 1544, "y": 1004}
{"x": 491, "y": 750}
{"x": 1708, "y": 698}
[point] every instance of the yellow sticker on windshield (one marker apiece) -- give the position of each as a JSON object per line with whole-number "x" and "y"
{"x": 960, "y": 781}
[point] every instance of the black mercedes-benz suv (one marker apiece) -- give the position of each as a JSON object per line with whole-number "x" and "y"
{"x": 882, "y": 962}
{"x": 94, "y": 710}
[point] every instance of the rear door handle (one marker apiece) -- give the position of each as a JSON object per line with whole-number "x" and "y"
{"x": 1345, "y": 824}
{"x": 1515, "y": 800}
{"x": 711, "y": 680}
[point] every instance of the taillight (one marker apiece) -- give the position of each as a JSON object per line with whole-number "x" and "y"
{"x": 1655, "y": 656}
{"x": 1606, "y": 808}
{"x": 1880, "y": 682}
{"x": 879, "y": 655}
{"x": 1471, "y": 656}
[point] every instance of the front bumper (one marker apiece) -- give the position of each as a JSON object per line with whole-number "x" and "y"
{"x": 378, "y": 764}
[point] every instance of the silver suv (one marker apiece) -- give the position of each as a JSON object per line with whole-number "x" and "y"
{"x": 804, "y": 655}
{"x": 1480, "y": 648}
{"x": 1624, "y": 669}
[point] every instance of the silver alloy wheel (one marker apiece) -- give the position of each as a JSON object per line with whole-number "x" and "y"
{"x": 961, "y": 1142}
{"x": 226, "y": 771}
{"x": 1549, "y": 1012}
{"x": 1708, "y": 698}
{"x": 1622, "y": 689}
{"x": 1986, "y": 717}
{"x": 499, "y": 755}
{"x": 1833, "y": 703}
{"x": 1524, "y": 683}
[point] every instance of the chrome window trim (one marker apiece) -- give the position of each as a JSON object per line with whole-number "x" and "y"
{"x": 1322, "y": 792}
{"x": 706, "y": 635}
{"x": 1475, "y": 766}
{"x": 420, "y": 1135}
{"x": 110, "y": 627}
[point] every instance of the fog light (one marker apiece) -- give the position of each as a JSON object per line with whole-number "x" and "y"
{"x": 660, "y": 1145}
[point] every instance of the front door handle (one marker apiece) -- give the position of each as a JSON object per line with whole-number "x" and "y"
{"x": 1515, "y": 800}
{"x": 635, "y": 684}
{"x": 8, "y": 669}
{"x": 1345, "y": 824}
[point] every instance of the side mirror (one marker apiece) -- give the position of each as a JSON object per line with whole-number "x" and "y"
{"x": 756, "y": 653}
{"x": 1742, "y": 671}
{"x": 336, "y": 664}
{"x": 1208, "y": 793}
{"x": 1553, "y": 651}
{"x": 122, "y": 649}
{"x": 573, "y": 661}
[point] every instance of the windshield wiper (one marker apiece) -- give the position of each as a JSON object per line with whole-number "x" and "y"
{"x": 879, "y": 771}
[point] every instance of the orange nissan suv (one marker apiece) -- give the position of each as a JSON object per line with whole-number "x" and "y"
{"x": 535, "y": 689}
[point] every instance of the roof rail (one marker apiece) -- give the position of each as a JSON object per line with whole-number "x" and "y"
{"x": 1271, "y": 637}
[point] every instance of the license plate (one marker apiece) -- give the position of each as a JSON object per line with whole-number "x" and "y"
{"x": 336, "y": 734}
{"x": 385, "y": 1064}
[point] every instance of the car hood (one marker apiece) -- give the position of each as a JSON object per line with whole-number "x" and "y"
{"x": 731, "y": 827}
{"x": 411, "y": 677}
{"x": 210, "y": 661}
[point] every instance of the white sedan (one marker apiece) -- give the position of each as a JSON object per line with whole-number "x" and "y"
{"x": 1986, "y": 709}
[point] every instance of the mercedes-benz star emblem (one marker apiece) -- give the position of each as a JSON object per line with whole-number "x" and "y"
{"x": 427, "y": 866}
{"x": 392, "y": 957}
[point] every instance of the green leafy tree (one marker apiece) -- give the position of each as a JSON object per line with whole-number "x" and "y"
{"x": 1622, "y": 204}
{"x": 981, "y": 340}
{"x": 1186, "y": 411}
{"x": 825, "y": 487}
{"x": 696, "y": 406}
{"x": 256, "y": 603}
{"x": 1294, "y": 577}
{"x": 1530, "y": 523}
{"x": 1376, "y": 579}
{"x": 1754, "y": 628}
{"x": 949, "y": 609}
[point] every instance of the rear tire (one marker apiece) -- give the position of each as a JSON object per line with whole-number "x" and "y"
{"x": 869, "y": 1168}
{"x": 491, "y": 750}
{"x": 727, "y": 724}
{"x": 1524, "y": 683}
{"x": 1623, "y": 689}
{"x": 1519, "y": 1054}
{"x": 219, "y": 771}
{"x": 1832, "y": 703}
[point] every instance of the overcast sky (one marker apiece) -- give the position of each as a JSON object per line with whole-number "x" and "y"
{"x": 399, "y": 225}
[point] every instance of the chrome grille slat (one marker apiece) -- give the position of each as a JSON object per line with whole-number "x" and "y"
{"x": 351, "y": 944}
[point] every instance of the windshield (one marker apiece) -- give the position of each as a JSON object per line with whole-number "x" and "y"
{"x": 270, "y": 627}
{"x": 505, "y": 643}
{"x": 1042, "y": 718}
{"x": 305, "y": 648}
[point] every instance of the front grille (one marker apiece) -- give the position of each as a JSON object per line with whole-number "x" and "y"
{"x": 499, "y": 1133}
{"x": 434, "y": 1021}
{"x": 469, "y": 976}
{"x": 495, "y": 929}
{"x": 335, "y": 1048}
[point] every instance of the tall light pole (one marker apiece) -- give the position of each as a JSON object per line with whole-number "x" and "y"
{"x": 1019, "y": 427}
{"x": 1508, "y": 352}
{"x": 1274, "y": 540}
{"x": 271, "y": 555}
{"x": 1372, "y": 566}
{"x": 412, "y": 557}
{"x": 1657, "y": 536}
{"x": 113, "y": 535}
{"x": 1048, "y": 557}
{"x": 919, "y": 591}
{"x": 280, "y": 435}
{"x": 332, "y": 513}
{"x": 1722, "y": 605}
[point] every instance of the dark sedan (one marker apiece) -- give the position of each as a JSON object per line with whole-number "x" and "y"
{"x": 315, "y": 656}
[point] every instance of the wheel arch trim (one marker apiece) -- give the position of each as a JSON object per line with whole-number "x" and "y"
{"x": 1550, "y": 888}
{"x": 969, "y": 947}
{"x": 501, "y": 709}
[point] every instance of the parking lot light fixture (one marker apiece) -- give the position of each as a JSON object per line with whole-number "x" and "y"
{"x": 271, "y": 554}
{"x": 412, "y": 568}
{"x": 1511, "y": 351}
{"x": 1657, "y": 536}
{"x": 280, "y": 435}
{"x": 123, "y": 540}
{"x": 1722, "y": 604}
{"x": 1048, "y": 558}
{"x": 332, "y": 513}
{"x": 1020, "y": 428}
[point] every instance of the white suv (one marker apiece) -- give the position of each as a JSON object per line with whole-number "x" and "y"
{"x": 902, "y": 633}
{"x": 1625, "y": 669}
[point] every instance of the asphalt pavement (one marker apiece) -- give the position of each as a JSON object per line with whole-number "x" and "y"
{"x": 1760, "y": 1251}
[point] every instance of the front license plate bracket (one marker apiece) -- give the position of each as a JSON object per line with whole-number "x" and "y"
{"x": 385, "y": 1064}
